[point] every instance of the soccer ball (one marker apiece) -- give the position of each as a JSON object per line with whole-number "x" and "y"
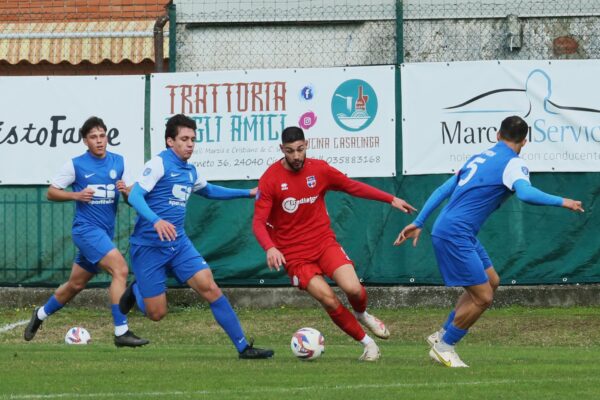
{"x": 308, "y": 344}
{"x": 77, "y": 335}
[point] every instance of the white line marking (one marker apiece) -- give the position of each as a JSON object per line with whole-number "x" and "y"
{"x": 216, "y": 392}
{"x": 10, "y": 327}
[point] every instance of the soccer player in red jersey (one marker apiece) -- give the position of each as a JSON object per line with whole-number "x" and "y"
{"x": 292, "y": 226}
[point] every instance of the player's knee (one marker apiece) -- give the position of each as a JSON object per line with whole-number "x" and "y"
{"x": 156, "y": 314}
{"x": 210, "y": 291}
{"x": 484, "y": 300}
{"x": 330, "y": 302}
{"x": 120, "y": 272}
{"x": 76, "y": 286}
{"x": 354, "y": 292}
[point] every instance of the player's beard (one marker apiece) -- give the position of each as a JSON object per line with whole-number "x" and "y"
{"x": 295, "y": 165}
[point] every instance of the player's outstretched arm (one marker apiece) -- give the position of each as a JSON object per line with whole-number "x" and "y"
{"x": 217, "y": 192}
{"x": 56, "y": 194}
{"x": 531, "y": 195}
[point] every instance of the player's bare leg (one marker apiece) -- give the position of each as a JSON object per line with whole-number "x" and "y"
{"x": 341, "y": 316}
{"x": 346, "y": 279}
{"x": 494, "y": 281}
{"x": 114, "y": 263}
{"x": 204, "y": 284}
{"x": 77, "y": 282}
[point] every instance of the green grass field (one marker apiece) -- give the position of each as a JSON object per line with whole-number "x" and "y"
{"x": 514, "y": 353}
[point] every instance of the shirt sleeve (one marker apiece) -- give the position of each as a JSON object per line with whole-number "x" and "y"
{"x": 65, "y": 176}
{"x": 200, "y": 182}
{"x": 515, "y": 169}
{"x": 126, "y": 177}
{"x": 435, "y": 199}
{"x": 153, "y": 171}
{"x": 340, "y": 182}
{"x": 262, "y": 210}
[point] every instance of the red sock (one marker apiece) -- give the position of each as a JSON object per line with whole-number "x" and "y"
{"x": 347, "y": 322}
{"x": 359, "y": 304}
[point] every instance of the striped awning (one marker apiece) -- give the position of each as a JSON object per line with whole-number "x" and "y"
{"x": 74, "y": 42}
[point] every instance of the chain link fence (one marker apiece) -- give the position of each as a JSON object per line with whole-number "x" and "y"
{"x": 293, "y": 34}
{"x": 442, "y": 31}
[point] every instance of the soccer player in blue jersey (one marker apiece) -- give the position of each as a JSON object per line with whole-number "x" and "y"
{"x": 159, "y": 244}
{"x": 96, "y": 178}
{"x": 478, "y": 189}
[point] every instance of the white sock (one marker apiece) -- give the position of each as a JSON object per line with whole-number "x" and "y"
{"x": 121, "y": 330}
{"x": 442, "y": 331}
{"x": 41, "y": 314}
{"x": 366, "y": 340}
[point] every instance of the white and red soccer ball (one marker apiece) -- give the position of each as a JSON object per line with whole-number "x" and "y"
{"x": 308, "y": 344}
{"x": 77, "y": 335}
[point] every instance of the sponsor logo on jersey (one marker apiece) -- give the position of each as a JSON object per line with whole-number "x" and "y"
{"x": 291, "y": 204}
{"x": 181, "y": 194}
{"x": 89, "y": 175}
{"x": 147, "y": 171}
{"x": 103, "y": 194}
{"x": 311, "y": 181}
{"x": 284, "y": 186}
{"x": 525, "y": 170}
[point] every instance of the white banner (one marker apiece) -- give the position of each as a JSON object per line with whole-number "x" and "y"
{"x": 453, "y": 110}
{"x": 40, "y": 119}
{"x": 348, "y": 117}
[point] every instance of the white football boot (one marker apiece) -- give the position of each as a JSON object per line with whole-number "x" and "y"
{"x": 375, "y": 325}
{"x": 371, "y": 352}
{"x": 447, "y": 358}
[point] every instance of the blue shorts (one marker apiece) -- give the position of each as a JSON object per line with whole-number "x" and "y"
{"x": 151, "y": 264}
{"x": 462, "y": 261}
{"x": 92, "y": 244}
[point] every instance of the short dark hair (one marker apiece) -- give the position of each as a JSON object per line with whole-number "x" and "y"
{"x": 89, "y": 124}
{"x": 292, "y": 134}
{"x": 173, "y": 124}
{"x": 514, "y": 129}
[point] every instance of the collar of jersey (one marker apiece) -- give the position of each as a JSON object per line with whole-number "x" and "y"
{"x": 505, "y": 147}
{"x": 95, "y": 159}
{"x": 170, "y": 154}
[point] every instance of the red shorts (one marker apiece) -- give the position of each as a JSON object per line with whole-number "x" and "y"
{"x": 331, "y": 257}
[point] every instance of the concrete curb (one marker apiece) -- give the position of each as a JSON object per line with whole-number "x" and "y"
{"x": 379, "y": 297}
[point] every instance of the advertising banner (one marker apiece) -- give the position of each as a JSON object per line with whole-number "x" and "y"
{"x": 451, "y": 111}
{"x": 348, "y": 116}
{"x": 41, "y": 117}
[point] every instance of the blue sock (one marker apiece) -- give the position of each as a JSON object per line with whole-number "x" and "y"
{"x": 139, "y": 300}
{"x": 118, "y": 317}
{"x": 52, "y": 306}
{"x": 454, "y": 334}
{"x": 228, "y": 320}
{"x": 449, "y": 320}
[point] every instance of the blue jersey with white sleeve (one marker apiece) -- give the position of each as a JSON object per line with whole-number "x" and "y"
{"x": 101, "y": 175}
{"x": 483, "y": 184}
{"x": 169, "y": 182}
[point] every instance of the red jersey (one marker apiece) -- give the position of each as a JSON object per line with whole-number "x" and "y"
{"x": 290, "y": 212}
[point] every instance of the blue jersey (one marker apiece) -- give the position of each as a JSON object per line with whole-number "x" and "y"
{"x": 101, "y": 175}
{"x": 484, "y": 182}
{"x": 169, "y": 182}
